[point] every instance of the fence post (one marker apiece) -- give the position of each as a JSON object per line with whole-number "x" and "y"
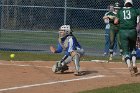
{"x": 65, "y": 12}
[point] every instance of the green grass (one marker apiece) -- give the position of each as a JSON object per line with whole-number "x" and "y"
{"x": 31, "y": 56}
{"x": 88, "y": 38}
{"x": 125, "y": 88}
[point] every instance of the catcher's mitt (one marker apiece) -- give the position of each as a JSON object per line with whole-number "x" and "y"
{"x": 59, "y": 68}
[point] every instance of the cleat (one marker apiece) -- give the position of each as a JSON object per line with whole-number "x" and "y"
{"x": 110, "y": 58}
{"x": 121, "y": 54}
{"x": 105, "y": 54}
{"x": 135, "y": 69}
{"x": 77, "y": 73}
{"x": 132, "y": 72}
{"x": 54, "y": 68}
{"x": 114, "y": 53}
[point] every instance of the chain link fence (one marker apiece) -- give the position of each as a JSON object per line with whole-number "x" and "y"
{"x": 31, "y": 25}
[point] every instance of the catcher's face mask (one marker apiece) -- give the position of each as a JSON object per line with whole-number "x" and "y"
{"x": 64, "y": 31}
{"x": 61, "y": 33}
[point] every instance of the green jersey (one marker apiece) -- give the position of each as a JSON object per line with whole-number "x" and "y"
{"x": 128, "y": 17}
{"x": 116, "y": 26}
{"x": 111, "y": 21}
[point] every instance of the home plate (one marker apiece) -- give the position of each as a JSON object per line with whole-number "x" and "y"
{"x": 99, "y": 60}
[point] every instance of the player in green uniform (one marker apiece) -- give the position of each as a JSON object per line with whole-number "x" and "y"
{"x": 127, "y": 20}
{"x": 116, "y": 29}
{"x": 112, "y": 33}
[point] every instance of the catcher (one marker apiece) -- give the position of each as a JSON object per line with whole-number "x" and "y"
{"x": 73, "y": 51}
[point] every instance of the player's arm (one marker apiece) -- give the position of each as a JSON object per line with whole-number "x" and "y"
{"x": 138, "y": 24}
{"x": 116, "y": 21}
{"x": 58, "y": 50}
{"x": 64, "y": 58}
{"x": 106, "y": 21}
{"x": 109, "y": 17}
{"x": 105, "y": 17}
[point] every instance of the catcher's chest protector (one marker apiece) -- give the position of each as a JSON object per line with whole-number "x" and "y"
{"x": 64, "y": 43}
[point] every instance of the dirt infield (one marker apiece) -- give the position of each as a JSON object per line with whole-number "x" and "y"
{"x": 37, "y": 77}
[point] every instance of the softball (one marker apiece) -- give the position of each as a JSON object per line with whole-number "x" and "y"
{"x": 12, "y": 56}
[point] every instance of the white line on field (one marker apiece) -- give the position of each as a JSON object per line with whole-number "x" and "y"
{"x": 50, "y": 83}
{"x": 120, "y": 68}
{"x": 24, "y": 65}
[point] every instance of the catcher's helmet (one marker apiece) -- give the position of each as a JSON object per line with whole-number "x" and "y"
{"x": 66, "y": 29}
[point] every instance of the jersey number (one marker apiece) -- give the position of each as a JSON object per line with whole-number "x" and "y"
{"x": 127, "y": 14}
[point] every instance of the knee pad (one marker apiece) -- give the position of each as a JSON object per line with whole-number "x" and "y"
{"x": 81, "y": 52}
{"x": 133, "y": 52}
{"x": 133, "y": 55}
{"x": 126, "y": 58}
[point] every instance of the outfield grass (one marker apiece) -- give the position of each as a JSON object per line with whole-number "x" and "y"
{"x": 33, "y": 56}
{"x": 92, "y": 40}
{"x": 29, "y": 56}
{"x": 125, "y": 88}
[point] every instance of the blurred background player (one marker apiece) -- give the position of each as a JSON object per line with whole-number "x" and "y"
{"x": 73, "y": 51}
{"x": 138, "y": 32}
{"x": 112, "y": 32}
{"x": 116, "y": 29}
{"x": 108, "y": 32}
{"x": 138, "y": 37}
{"x": 127, "y": 20}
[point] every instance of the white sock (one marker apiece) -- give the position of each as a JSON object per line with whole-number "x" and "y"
{"x": 134, "y": 61}
{"x": 128, "y": 63}
{"x": 111, "y": 55}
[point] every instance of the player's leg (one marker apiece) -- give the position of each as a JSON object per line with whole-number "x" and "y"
{"x": 76, "y": 58}
{"x": 112, "y": 38}
{"x": 134, "y": 66}
{"x": 65, "y": 62}
{"x": 107, "y": 42}
{"x": 120, "y": 47}
{"x": 126, "y": 48}
{"x": 133, "y": 38}
{"x": 115, "y": 45}
{"x": 119, "y": 43}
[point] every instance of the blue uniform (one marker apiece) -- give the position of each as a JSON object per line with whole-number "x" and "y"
{"x": 68, "y": 44}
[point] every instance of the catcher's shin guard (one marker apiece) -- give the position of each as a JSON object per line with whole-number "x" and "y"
{"x": 76, "y": 60}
